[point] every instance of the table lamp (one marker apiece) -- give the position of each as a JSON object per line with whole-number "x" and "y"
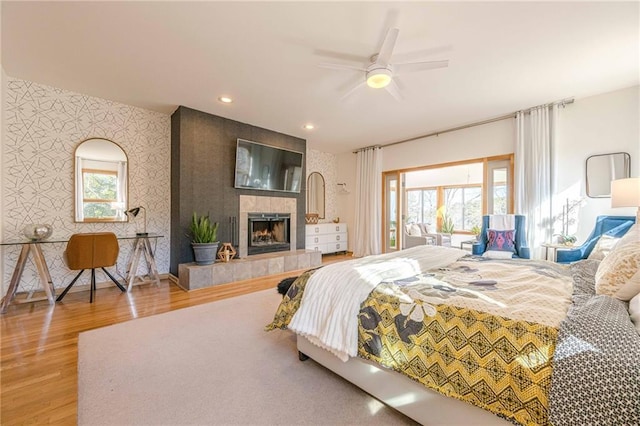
{"x": 626, "y": 193}
{"x": 135, "y": 212}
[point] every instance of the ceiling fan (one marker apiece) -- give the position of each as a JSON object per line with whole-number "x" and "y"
{"x": 381, "y": 73}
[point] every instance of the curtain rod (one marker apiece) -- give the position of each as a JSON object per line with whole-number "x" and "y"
{"x": 562, "y": 103}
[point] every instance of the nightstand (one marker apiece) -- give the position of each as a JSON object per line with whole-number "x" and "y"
{"x": 554, "y": 250}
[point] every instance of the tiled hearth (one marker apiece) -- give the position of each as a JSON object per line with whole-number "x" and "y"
{"x": 246, "y": 267}
{"x": 193, "y": 277}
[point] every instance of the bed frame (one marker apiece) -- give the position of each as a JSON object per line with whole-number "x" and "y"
{"x": 423, "y": 405}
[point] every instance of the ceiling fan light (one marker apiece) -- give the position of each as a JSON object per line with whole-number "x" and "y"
{"x": 379, "y": 78}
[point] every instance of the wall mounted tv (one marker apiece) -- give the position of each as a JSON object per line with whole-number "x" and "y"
{"x": 268, "y": 168}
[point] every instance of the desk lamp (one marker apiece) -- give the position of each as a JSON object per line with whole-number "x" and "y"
{"x": 135, "y": 212}
{"x": 626, "y": 193}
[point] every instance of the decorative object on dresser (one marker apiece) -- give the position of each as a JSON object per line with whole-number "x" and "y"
{"x": 327, "y": 237}
{"x": 204, "y": 239}
{"x": 311, "y": 218}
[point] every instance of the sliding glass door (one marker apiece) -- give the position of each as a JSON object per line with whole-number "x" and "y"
{"x": 456, "y": 193}
{"x": 391, "y": 197}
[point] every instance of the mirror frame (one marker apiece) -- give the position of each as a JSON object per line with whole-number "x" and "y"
{"x": 76, "y": 219}
{"x": 594, "y": 178}
{"x": 321, "y": 205}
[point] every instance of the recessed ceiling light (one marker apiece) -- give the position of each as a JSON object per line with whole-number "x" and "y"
{"x": 308, "y": 126}
{"x": 225, "y": 99}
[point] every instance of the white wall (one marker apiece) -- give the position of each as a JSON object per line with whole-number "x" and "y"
{"x": 42, "y": 127}
{"x": 596, "y": 125}
{"x": 593, "y": 125}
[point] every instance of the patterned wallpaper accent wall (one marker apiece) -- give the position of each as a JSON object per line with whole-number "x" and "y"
{"x": 43, "y": 127}
{"x": 327, "y": 165}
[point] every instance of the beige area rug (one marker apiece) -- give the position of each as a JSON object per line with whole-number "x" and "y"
{"x": 213, "y": 364}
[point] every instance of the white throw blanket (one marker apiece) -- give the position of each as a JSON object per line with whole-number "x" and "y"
{"x": 328, "y": 313}
{"x": 502, "y": 222}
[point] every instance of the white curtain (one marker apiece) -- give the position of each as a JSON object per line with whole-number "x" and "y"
{"x": 368, "y": 219}
{"x": 535, "y": 173}
{"x": 122, "y": 190}
{"x": 79, "y": 190}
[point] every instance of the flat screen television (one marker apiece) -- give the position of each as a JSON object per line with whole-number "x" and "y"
{"x": 268, "y": 168}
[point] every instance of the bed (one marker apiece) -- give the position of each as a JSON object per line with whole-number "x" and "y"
{"x": 449, "y": 338}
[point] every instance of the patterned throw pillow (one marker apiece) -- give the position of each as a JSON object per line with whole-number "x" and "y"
{"x": 619, "y": 273}
{"x": 501, "y": 240}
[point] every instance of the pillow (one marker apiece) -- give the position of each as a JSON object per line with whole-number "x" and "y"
{"x": 603, "y": 247}
{"x": 424, "y": 227}
{"x": 497, "y": 254}
{"x": 501, "y": 240}
{"x": 632, "y": 235}
{"x": 618, "y": 274}
{"x": 414, "y": 230}
{"x": 634, "y": 311}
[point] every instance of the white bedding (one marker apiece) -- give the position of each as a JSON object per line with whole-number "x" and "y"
{"x": 328, "y": 313}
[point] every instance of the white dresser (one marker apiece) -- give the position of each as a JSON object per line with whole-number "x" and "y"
{"x": 326, "y": 237}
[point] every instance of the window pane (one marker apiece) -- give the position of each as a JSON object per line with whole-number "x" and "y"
{"x": 453, "y": 203}
{"x": 414, "y": 206}
{"x": 500, "y": 199}
{"x": 98, "y": 210}
{"x": 430, "y": 206}
{"x": 472, "y": 207}
{"x": 99, "y": 186}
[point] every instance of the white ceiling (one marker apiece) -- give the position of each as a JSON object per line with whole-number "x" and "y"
{"x": 503, "y": 56}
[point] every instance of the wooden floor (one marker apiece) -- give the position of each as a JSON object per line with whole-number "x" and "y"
{"x": 39, "y": 352}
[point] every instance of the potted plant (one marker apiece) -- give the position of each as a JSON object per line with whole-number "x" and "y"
{"x": 204, "y": 239}
{"x": 447, "y": 224}
{"x": 475, "y": 230}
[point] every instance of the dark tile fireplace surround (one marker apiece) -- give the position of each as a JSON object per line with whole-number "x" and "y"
{"x": 202, "y": 176}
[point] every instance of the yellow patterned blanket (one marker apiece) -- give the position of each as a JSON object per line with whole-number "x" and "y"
{"x": 480, "y": 330}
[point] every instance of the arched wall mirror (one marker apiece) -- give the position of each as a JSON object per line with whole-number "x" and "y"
{"x": 101, "y": 172}
{"x": 602, "y": 169}
{"x": 315, "y": 194}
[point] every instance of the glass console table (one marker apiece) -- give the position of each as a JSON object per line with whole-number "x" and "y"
{"x": 142, "y": 248}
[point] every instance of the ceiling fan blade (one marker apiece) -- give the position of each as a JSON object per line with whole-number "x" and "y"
{"x": 393, "y": 89}
{"x": 343, "y": 56}
{"x": 387, "y": 47}
{"x": 352, "y": 90}
{"x": 341, "y": 67}
{"x": 418, "y": 66}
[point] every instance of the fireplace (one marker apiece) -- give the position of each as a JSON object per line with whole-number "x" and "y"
{"x": 268, "y": 232}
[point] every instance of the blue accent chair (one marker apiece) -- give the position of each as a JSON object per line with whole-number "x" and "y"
{"x": 522, "y": 249}
{"x": 614, "y": 226}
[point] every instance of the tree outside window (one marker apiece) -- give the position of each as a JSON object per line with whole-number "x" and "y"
{"x": 100, "y": 190}
{"x": 422, "y": 206}
{"x": 464, "y": 206}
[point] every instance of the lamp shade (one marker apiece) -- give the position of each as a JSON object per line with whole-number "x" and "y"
{"x": 625, "y": 192}
{"x": 135, "y": 212}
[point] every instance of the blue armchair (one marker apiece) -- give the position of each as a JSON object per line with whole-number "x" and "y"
{"x": 614, "y": 226}
{"x": 522, "y": 249}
